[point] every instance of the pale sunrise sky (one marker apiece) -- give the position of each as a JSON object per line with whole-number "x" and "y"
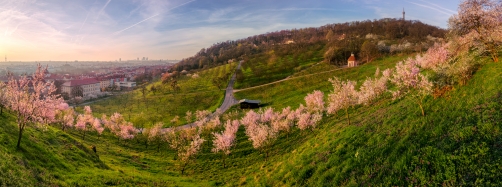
{"x": 66, "y": 30}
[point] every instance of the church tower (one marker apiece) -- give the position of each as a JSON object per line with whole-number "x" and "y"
{"x": 403, "y": 15}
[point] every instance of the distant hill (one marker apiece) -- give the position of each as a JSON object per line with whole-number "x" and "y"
{"x": 389, "y": 35}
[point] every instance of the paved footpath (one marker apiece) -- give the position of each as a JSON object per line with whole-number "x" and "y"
{"x": 228, "y": 102}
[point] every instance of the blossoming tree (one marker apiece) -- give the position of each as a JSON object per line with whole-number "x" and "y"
{"x": 32, "y": 101}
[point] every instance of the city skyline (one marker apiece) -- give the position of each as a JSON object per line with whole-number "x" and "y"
{"x": 107, "y": 30}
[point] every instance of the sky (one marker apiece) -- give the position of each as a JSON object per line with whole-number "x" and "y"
{"x": 106, "y": 30}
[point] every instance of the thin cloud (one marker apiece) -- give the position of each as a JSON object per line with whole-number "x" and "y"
{"x": 118, "y": 32}
{"x": 102, "y": 9}
{"x": 300, "y": 9}
{"x": 436, "y": 5}
{"x": 432, "y": 8}
{"x": 83, "y": 23}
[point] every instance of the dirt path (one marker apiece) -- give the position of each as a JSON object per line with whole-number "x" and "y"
{"x": 288, "y": 78}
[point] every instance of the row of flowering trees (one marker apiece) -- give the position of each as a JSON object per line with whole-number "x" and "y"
{"x": 33, "y": 101}
{"x": 478, "y": 26}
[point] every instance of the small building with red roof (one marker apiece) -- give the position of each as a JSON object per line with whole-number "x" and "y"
{"x": 352, "y": 62}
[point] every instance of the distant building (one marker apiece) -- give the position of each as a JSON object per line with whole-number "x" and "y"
{"x": 105, "y": 84}
{"x": 90, "y": 87}
{"x": 126, "y": 85}
{"x": 141, "y": 71}
{"x": 352, "y": 62}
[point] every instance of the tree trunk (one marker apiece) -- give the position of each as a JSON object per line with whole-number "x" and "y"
{"x": 184, "y": 167}
{"x": 224, "y": 157}
{"x": 421, "y": 108}
{"x": 347, "y": 112}
{"x": 21, "y": 128}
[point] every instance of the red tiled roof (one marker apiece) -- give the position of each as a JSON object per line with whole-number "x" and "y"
{"x": 352, "y": 58}
{"x": 80, "y": 82}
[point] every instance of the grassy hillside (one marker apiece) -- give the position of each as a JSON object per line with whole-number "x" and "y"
{"x": 389, "y": 143}
{"x": 164, "y": 103}
{"x": 457, "y": 143}
{"x": 292, "y": 91}
{"x": 275, "y": 65}
{"x": 51, "y": 157}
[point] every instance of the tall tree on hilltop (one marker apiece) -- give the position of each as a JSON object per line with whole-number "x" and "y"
{"x": 369, "y": 50}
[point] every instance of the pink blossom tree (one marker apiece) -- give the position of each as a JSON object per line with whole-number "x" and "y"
{"x": 342, "y": 97}
{"x": 435, "y": 56}
{"x": 202, "y": 115}
{"x": 284, "y": 120}
{"x": 187, "y": 144}
{"x": 33, "y": 101}
{"x": 258, "y": 130}
{"x": 407, "y": 78}
{"x": 87, "y": 122}
{"x": 372, "y": 88}
{"x": 478, "y": 24}
{"x": 127, "y": 131}
{"x": 315, "y": 101}
{"x": 66, "y": 117}
{"x": 309, "y": 120}
{"x": 191, "y": 151}
{"x": 188, "y": 116}
{"x": 225, "y": 140}
{"x": 155, "y": 134}
{"x": 250, "y": 119}
{"x": 267, "y": 115}
{"x": 119, "y": 126}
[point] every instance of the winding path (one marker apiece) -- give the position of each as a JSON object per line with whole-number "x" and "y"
{"x": 229, "y": 100}
{"x": 289, "y": 78}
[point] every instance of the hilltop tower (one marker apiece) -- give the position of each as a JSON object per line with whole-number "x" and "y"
{"x": 404, "y": 14}
{"x": 5, "y": 58}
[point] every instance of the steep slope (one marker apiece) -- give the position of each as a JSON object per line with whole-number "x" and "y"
{"x": 51, "y": 157}
{"x": 457, "y": 143}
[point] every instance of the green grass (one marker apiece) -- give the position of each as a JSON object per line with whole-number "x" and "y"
{"x": 51, "y": 157}
{"x": 389, "y": 143}
{"x": 276, "y": 65}
{"x": 164, "y": 104}
{"x": 291, "y": 92}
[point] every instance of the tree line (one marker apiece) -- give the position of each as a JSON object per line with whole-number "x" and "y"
{"x": 344, "y": 38}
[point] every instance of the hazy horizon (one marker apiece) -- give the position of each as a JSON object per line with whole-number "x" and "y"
{"x": 106, "y": 30}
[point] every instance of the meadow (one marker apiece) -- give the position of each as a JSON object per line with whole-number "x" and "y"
{"x": 277, "y": 64}
{"x": 162, "y": 103}
{"x": 389, "y": 143}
